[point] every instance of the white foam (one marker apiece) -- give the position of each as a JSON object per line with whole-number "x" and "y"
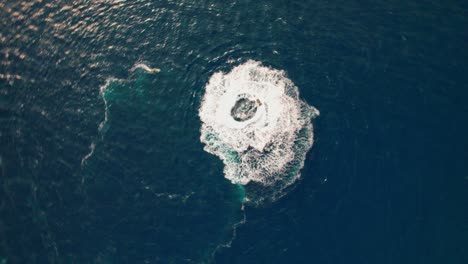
{"x": 267, "y": 148}
{"x": 102, "y": 93}
{"x": 145, "y": 68}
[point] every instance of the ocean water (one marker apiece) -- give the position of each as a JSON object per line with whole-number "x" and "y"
{"x": 101, "y": 156}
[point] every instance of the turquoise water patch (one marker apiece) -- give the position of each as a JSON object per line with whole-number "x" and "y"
{"x": 144, "y": 164}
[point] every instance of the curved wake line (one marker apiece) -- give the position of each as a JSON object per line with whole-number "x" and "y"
{"x": 102, "y": 124}
{"x": 91, "y": 152}
{"x": 102, "y": 93}
{"x": 228, "y": 244}
{"x": 145, "y": 68}
{"x": 254, "y": 121}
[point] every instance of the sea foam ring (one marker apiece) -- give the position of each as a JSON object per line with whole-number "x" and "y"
{"x": 254, "y": 121}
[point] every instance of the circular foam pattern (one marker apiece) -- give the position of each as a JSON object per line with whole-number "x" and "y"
{"x": 253, "y": 120}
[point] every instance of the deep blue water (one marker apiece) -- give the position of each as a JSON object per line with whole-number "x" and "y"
{"x": 102, "y": 163}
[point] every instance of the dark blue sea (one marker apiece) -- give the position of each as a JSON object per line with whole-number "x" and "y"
{"x": 100, "y": 153}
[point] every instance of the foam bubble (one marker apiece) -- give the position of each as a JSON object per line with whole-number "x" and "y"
{"x": 253, "y": 120}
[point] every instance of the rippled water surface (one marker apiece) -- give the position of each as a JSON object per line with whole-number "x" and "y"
{"x": 100, "y": 152}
